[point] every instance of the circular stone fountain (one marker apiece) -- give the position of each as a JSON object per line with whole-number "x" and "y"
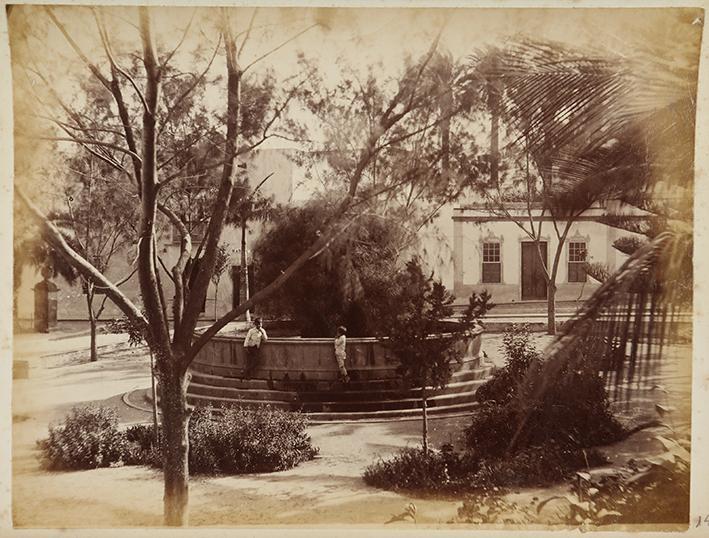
{"x": 301, "y": 374}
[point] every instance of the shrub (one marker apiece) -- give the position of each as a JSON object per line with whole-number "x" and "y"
{"x": 243, "y": 440}
{"x": 141, "y": 434}
{"x": 552, "y": 433}
{"x": 574, "y": 414}
{"x": 88, "y": 438}
{"x": 491, "y": 428}
{"x": 520, "y": 355}
{"x": 649, "y": 490}
{"x": 233, "y": 440}
{"x": 573, "y": 411}
{"x": 140, "y": 447}
{"x": 418, "y": 470}
{"x": 446, "y": 471}
{"x": 541, "y": 465}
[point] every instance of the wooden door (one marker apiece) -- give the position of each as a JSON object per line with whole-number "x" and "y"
{"x": 534, "y": 283}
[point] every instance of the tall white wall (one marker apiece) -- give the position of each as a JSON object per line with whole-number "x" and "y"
{"x": 437, "y": 246}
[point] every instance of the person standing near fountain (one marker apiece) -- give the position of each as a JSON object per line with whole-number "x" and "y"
{"x": 340, "y": 353}
{"x": 252, "y": 346}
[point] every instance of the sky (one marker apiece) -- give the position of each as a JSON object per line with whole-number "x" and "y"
{"x": 336, "y": 39}
{"x": 362, "y": 37}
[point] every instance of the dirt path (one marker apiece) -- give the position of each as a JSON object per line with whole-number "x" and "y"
{"x": 326, "y": 491}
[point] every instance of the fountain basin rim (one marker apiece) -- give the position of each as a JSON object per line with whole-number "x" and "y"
{"x": 301, "y": 340}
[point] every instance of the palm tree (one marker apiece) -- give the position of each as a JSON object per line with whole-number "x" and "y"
{"x": 594, "y": 126}
{"x": 250, "y": 205}
{"x": 625, "y": 125}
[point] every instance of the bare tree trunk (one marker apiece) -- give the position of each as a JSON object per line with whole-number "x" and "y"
{"x": 216, "y": 298}
{"x": 244, "y": 288}
{"x": 551, "y": 284}
{"x": 551, "y": 307}
{"x": 92, "y": 324}
{"x": 175, "y": 416}
{"x": 175, "y": 422}
{"x": 424, "y": 406}
{"x": 92, "y": 320}
{"x": 156, "y": 424}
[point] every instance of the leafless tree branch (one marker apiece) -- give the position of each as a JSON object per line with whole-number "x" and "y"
{"x": 279, "y": 47}
{"x": 91, "y": 142}
{"x": 190, "y": 88}
{"x": 169, "y": 56}
{"x": 105, "y": 40}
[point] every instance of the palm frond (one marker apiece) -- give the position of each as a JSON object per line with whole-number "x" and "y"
{"x": 624, "y": 328}
{"x": 594, "y": 116}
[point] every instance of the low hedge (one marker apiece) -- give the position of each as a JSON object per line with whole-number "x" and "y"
{"x": 449, "y": 472}
{"x": 413, "y": 469}
{"x": 231, "y": 440}
{"x": 88, "y": 438}
{"x": 240, "y": 440}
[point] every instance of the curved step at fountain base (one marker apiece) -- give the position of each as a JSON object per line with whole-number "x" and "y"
{"x": 397, "y": 414}
{"x": 337, "y": 401}
{"x": 324, "y": 417}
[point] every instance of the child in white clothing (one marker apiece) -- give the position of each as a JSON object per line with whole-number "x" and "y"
{"x": 340, "y": 353}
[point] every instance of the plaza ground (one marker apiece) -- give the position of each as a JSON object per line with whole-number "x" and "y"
{"x": 326, "y": 491}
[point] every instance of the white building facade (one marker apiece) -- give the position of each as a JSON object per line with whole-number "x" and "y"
{"x": 492, "y": 252}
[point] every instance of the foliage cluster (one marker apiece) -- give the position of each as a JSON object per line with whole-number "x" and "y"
{"x": 573, "y": 411}
{"x": 415, "y": 306}
{"x": 650, "y": 490}
{"x": 533, "y": 466}
{"x": 357, "y": 282}
{"x": 88, "y": 438}
{"x": 347, "y": 285}
{"x": 240, "y": 440}
{"x": 552, "y": 442}
{"x": 125, "y": 325}
{"x": 415, "y": 469}
{"x": 452, "y": 472}
{"x": 234, "y": 440}
{"x": 519, "y": 353}
{"x": 418, "y": 303}
{"x": 141, "y": 448}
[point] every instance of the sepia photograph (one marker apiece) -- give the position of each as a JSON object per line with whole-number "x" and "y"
{"x": 383, "y": 268}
